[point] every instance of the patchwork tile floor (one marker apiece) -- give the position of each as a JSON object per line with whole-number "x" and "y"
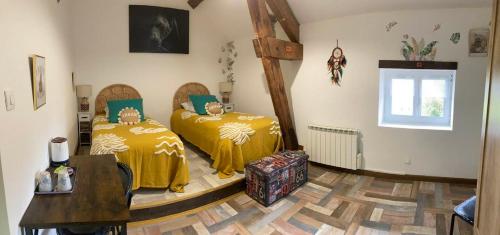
{"x": 330, "y": 203}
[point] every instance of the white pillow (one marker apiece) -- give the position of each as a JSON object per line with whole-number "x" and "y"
{"x": 188, "y": 106}
{"x": 107, "y": 112}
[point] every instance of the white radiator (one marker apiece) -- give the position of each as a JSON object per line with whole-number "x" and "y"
{"x": 333, "y": 146}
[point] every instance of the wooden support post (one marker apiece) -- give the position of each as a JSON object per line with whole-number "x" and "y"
{"x": 277, "y": 89}
{"x": 271, "y": 50}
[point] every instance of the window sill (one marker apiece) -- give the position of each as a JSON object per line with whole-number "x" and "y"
{"x": 416, "y": 127}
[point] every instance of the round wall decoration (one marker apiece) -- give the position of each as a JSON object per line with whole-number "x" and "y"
{"x": 336, "y": 64}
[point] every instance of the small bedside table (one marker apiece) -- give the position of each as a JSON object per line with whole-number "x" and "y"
{"x": 84, "y": 129}
{"x": 228, "y": 107}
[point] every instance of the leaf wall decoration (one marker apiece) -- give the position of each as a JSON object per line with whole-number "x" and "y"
{"x": 421, "y": 44}
{"x": 408, "y": 47}
{"x": 455, "y": 38}
{"x": 432, "y": 56}
{"x": 414, "y": 44}
{"x": 427, "y": 49}
{"x": 418, "y": 51}
{"x": 227, "y": 59}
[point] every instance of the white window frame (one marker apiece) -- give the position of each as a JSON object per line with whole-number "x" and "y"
{"x": 416, "y": 121}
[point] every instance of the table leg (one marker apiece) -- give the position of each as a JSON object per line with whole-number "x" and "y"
{"x": 28, "y": 231}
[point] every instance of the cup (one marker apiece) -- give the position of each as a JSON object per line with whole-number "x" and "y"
{"x": 45, "y": 182}
{"x": 63, "y": 181}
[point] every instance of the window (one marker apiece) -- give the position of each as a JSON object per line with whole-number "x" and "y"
{"x": 416, "y": 98}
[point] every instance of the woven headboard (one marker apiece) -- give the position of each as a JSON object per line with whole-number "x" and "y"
{"x": 182, "y": 94}
{"x": 114, "y": 92}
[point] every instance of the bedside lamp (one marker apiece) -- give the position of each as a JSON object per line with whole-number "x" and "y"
{"x": 84, "y": 92}
{"x": 225, "y": 88}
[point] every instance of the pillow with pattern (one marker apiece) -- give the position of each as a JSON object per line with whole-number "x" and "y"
{"x": 199, "y": 102}
{"x": 188, "y": 106}
{"x": 214, "y": 108}
{"x": 129, "y": 116}
{"x": 125, "y": 111}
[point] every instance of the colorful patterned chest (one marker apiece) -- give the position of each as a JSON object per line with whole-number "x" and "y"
{"x": 275, "y": 176}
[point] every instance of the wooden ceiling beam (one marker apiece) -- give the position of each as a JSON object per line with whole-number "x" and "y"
{"x": 278, "y": 49}
{"x": 287, "y": 19}
{"x": 194, "y": 3}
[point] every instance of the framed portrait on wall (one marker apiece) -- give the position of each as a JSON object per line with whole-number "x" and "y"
{"x": 478, "y": 42}
{"x": 38, "y": 81}
{"x": 158, "y": 30}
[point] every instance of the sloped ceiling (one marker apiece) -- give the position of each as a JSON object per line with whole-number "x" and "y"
{"x": 316, "y": 10}
{"x": 233, "y": 19}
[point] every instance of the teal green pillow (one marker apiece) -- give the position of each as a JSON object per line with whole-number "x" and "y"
{"x": 115, "y": 106}
{"x": 199, "y": 102}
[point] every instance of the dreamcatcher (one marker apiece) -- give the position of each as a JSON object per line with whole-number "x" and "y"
{"x": 336, "y": 64}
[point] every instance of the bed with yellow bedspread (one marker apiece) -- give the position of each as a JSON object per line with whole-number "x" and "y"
{"x": 154, "y": 154}
{"x": 232, "y": 139}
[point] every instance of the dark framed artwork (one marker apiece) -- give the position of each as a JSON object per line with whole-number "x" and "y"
{"x": 158, "y": 30}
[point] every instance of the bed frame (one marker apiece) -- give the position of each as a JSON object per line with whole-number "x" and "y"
{"x": 182, "y": 94}
{"x": 114, "y": 92}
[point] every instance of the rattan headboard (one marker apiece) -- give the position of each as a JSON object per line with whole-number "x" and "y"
{"x": 114, "y": 92}
{"x": 182, "y": 94}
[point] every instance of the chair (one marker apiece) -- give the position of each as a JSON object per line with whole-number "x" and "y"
{"x": 127, "y": 177}
{"x": 464, "y": 211}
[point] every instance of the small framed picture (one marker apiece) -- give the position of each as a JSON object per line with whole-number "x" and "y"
{"x": 38, "y": 81}
{"x": 478, "y": 42}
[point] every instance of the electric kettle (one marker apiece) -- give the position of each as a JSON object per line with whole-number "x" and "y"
{"x": 59, "y": 151}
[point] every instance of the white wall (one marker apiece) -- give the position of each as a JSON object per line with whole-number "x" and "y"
{"x": 101, "y": 39}
{"x": 355, "y": 104}
{"x": 33, "y": 27}
{"x": 250, "y": 92}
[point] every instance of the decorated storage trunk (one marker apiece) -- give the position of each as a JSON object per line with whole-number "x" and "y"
{"x": 275, "y": 176}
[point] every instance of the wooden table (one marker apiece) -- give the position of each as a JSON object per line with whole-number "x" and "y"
{"x": 98, "y": 199}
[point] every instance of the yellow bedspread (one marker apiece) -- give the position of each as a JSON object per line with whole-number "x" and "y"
{"x": 232, "y": 140}
{"x": 155, "y": 154}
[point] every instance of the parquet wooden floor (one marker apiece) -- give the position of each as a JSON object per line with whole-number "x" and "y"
{"x": 330, "y": 203}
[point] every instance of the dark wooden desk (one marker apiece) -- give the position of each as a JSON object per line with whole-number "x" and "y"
{"x": 97, "y": 200}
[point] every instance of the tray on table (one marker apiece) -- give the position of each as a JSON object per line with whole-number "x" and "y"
{"x": 53, "y": 175}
